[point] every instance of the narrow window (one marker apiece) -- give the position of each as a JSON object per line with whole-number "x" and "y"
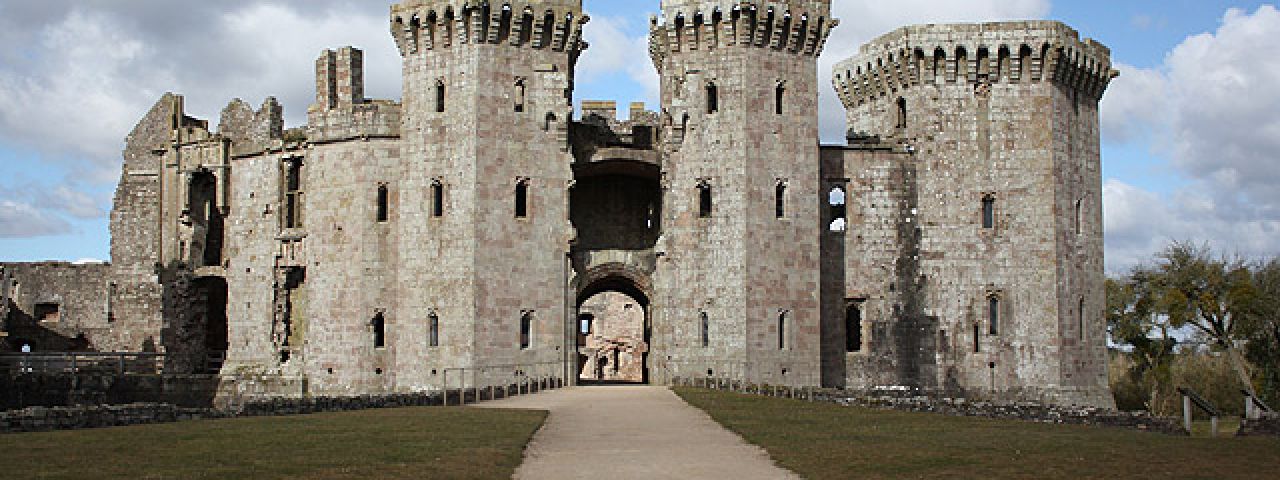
{"x": 988, "y": 212}
{"x": 440, "y": 96}
{"x": 379, "y": 325}
{"x": 437, "y": 199}
{"x": 706, "y": 330}
{"x": 1079, "y": 216}
{"x": 838, "y": 211}
{"x": 584, "y": 324}
{"x": 779, "y": 95}
{"x": 293, "y": 194}
{"x": 704, "y": 200}
{"x": 977, "y": 338}
{"x": 526, "y": 330}
{"x": 902, "y": 112}
{"x": 519, "y": 96}
{"x": 433, "y": 331}
{"x": 1080, "y": 319}
{"x": 853, "y": 328}
{"x": 993, "y": 315}
{"x": 383, "y": 211}
{"x": 782, "y": 331}
{"x": 713, "y": 98}
{"x": 780, "y": 200}
{"x": 522, "y": 199}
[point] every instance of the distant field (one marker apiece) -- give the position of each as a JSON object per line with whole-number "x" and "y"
{"x": 427, "y": 442}
{"x": 820, "y": 441}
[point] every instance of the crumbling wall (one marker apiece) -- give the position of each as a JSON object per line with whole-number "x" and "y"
{"x": 616, "y": 342}
{"x": 57, "y": 306}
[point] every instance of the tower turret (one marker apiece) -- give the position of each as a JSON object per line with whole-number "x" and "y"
{"x": 739, "y": 106}
{"x": 1003, "y": 118}
{"x": 485, "y": 174}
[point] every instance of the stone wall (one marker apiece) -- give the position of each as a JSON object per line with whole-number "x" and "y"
{"x": 1001, "y": 114}
{"x": 57, "y": 306}
{"x": 1268, "y": 424}
{"x": 58, "y": 390}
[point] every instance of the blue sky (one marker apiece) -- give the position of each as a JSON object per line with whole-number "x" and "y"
{"x": 1188, "y": 129}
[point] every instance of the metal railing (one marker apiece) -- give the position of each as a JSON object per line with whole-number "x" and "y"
{"x": 118, "y": 363}
{"x": 500, "y": 381}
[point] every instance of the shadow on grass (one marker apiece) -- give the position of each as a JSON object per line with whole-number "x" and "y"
{"x": 820, "y": 440}
{"x": 429, "y": 442}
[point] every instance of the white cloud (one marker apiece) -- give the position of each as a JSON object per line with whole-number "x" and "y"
{"x": 1134, "y": 101}
{"x": 22, "y": 220}
{"x": 1211, "y": 108}
{"x": 861, "y": 22}
{"x": 1140, "y": 222}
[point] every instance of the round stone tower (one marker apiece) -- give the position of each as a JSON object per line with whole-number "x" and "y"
{"x": 482, "y": 201}
{"x": 1003, "y": 120}
{"x": 738, "y": 275}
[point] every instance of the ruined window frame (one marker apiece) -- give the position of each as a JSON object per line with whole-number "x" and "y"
{"x": 292, "y": 193}
{"x": 837, "y": 211}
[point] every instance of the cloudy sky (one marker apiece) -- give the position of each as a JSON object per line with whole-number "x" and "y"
{"x": 1190, "y": 130}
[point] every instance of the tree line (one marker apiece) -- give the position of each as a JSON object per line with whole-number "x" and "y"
{"x": 1193, "y": 317}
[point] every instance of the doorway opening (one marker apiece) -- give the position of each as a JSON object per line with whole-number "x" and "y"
{"x": 213, "y": 291}
{"x": 612, "y": 331}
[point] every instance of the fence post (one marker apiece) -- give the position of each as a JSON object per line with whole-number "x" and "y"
{"x": 1186, "y": 412}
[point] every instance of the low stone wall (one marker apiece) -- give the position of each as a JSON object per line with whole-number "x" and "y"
{"x": 911, "y": 400}
{"x": 1268, "y": 425}
{"x": 38, "y": 419}
{"x": 63, "y": 390}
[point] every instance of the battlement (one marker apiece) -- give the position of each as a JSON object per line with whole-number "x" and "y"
{"x": 979, "y": 54}
{"x": 425, "y": 25}
{"x": 800, "y": 27}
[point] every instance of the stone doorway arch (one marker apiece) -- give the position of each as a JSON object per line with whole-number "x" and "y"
{"x": 612, "y": 324}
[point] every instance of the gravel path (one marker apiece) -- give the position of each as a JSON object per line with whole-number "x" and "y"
{"x": 626, "y": 432}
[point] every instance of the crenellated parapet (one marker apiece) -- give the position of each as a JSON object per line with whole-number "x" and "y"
{"x": 426, "y": 25}
{"x": 978, "y": 56}
{"x": 800, "y": 26}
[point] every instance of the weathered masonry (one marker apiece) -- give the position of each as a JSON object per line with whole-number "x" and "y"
{"x": 477, "y": 231}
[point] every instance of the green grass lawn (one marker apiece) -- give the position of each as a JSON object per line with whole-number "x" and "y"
{"x": 394, "y": 443}
{"x": 820, "y": 440}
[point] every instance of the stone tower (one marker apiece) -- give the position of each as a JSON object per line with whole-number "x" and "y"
{"x": 738, "y": 271}
{"x": 482, "y": 202}
{"x": 1001, "y": 120}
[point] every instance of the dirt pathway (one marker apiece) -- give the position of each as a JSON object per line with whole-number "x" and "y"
{"x": 638, "y": 432}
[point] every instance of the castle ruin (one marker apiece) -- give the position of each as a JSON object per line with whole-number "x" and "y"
{"x": 953, "y": 244}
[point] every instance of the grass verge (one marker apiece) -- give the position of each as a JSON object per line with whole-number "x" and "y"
{"x": 428, "y": 442}
{"x": 821, "y": 440}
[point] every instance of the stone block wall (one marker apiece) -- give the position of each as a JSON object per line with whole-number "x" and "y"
{"x": 57, "y": 306}
{"x": 1001, "y": 114}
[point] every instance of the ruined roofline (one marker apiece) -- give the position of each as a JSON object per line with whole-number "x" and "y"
{"x": 975, "y": 54}
{"x": 768, "y": 25}
{"x": 427, "y": 25}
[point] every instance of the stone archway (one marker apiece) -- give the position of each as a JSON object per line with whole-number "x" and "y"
{"x": 612, "y": 325}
